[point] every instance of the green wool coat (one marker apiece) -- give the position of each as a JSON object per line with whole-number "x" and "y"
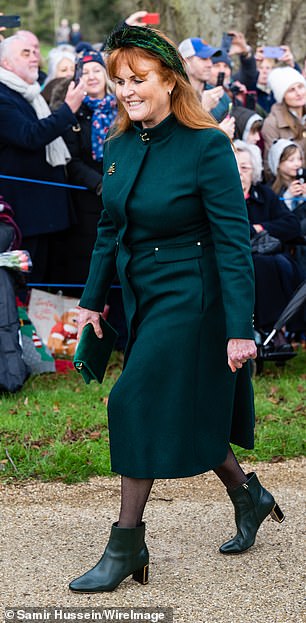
{"x": 175, "y": 225}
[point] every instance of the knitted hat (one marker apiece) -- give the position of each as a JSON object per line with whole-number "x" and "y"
{"x": 275, "y": 153}
{"x": 281, "y": 79}
{"x": 90, "y": 56}
{"x": 222, "y": 58}
{"x": 198, "y": 47}
{"x": 244, "y": 119}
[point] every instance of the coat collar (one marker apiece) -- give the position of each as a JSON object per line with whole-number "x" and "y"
{"x": 158, "y": 132}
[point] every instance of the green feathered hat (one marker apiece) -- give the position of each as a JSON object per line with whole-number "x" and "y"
{"x": 150, "y": 40}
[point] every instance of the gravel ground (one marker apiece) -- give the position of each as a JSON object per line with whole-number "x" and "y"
{"x": 51, "y": 533}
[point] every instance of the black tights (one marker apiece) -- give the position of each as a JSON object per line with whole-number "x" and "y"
{"x": 135, "y": 491}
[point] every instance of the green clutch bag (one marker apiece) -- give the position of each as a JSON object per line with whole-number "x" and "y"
{"x": 93, "y": 353}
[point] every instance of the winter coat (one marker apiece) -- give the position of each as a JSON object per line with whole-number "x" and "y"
{"x": 175, "y": 225}
{"x": 87, "y": 204}
{"x": 276, "y": 276}
{"x": 39, "y": 209}
{"x": 276, "y": 126}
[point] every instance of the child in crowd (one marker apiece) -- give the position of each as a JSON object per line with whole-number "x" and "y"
{"x": 247, "y": 124}
{"x": 285, "y": 160}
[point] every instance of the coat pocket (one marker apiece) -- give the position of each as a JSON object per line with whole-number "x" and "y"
{"x": 178, "y": 253}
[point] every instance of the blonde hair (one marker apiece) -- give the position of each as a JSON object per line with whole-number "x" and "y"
{"x": 185, "y": 104}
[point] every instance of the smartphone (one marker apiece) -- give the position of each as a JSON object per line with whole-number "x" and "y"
{"x": 220, "y": 79}
{"x": 226, "y": 42}
{"x": 78, "y": 72}
{"x": 301, "y": 175}
{"x": 151, "y": 18}
{"x": 10, "y": 21}
{"x": 270, "y": 51}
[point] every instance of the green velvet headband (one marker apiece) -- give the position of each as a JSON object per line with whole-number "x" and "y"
{"x": 148, "y": 39}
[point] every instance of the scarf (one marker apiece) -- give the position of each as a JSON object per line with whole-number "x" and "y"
{"x": 56, "y": 151}
{"x": 104, "y": 113}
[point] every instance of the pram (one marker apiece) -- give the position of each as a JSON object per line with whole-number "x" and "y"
{"x": 266, "y": 351}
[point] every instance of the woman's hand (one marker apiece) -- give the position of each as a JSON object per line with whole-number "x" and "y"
{"x": 87, "y": 316}
{"x": 287, "y": 56}
{"x": 135, "y": 18}
{"x": 75, "y": 95}
{"x": 228, "y": 126}
{"x": 239, "y": 351}
{"x": 297, "y": 189}
{"x": 239, "y": 44}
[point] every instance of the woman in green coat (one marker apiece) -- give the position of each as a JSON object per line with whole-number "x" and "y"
{"x": 175, "y": 227}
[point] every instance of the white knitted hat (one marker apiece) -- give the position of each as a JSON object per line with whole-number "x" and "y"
{"x": 275, "y": 153}
{"x": 281, "y": 79}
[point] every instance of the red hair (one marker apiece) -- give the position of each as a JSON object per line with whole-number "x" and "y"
{"x": 185, "y": 104}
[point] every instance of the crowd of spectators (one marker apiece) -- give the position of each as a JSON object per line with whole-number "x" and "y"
{"x": 53, "y": 128}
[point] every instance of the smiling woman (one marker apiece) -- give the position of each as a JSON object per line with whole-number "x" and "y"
{"x": 174, "y": 224}
{"x": 145, "y": 96}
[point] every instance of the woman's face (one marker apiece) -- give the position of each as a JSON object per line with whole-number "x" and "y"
{"x": 145, "y": 99}
{"x": 245, "y": 169}
{"x": 295, "y": 97}
{"x": 65, "y": 68}
{"x": 289, "y": 166}
{"x": 94, "y": 80}
{"x": 264, "y": 69}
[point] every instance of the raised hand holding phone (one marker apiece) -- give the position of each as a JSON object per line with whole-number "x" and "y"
{"x": 9, "y": 21}
{"x": 151, "y": 19}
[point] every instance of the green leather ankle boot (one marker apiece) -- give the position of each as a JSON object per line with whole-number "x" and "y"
{"x": 252, "y": 505}
{"x": 126, "y": 553}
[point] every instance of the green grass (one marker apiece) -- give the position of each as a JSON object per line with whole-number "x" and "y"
{"x": 56, "y": 427}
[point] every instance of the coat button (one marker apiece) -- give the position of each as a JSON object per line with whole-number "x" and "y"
{"x": 144, "y": 137}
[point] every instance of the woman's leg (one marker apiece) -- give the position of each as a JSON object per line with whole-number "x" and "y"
{"x": 134, "y": 495}
{"x": 251, "y": 501}
{"x": 230, "y": 472}
{"x": 126, "y": 552}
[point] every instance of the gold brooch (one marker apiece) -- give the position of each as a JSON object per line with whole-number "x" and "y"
{"x": 111, "y": 169}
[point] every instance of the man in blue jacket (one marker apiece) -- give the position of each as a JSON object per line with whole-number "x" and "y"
{"x": 31, "y": 147}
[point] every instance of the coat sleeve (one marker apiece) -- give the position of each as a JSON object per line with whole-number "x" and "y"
{"x": 223, "y": 200}
{"x": 20, "y": 128}
{"x": 102, "y": 266}
{"x": 247, "y": 73}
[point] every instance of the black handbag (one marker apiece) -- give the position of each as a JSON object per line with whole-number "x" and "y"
{"x": 93, "y": 353}
{"x": 264, "y": 244}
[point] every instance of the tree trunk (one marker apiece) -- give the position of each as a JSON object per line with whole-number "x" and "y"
{"x": 272, "y": 22}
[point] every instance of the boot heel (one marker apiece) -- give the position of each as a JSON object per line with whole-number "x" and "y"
{"x": 142, "y": 575}
{"x": 277, "y": 514}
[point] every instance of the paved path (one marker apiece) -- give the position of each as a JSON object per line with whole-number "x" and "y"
{"x": 51, "y": 533}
